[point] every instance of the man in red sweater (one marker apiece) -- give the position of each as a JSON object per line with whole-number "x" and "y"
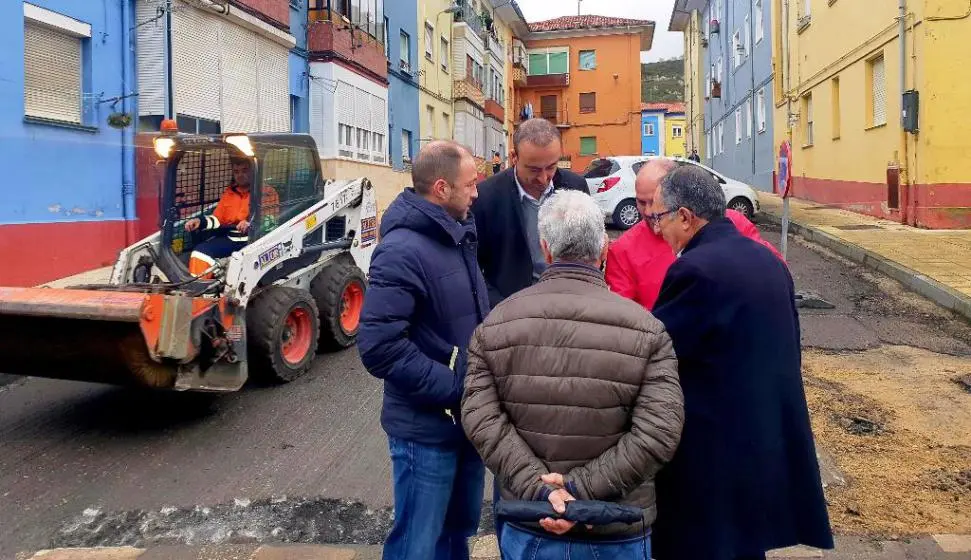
{"x": 639, "y": 260}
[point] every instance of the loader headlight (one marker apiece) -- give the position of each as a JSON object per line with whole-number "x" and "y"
{"x": 163, "y": 147}
{"x": 241, "y": 142}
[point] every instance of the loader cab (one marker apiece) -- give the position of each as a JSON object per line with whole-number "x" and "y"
{"x": 284, "y": 181}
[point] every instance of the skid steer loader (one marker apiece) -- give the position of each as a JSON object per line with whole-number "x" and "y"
{"x": 297, "y": 284}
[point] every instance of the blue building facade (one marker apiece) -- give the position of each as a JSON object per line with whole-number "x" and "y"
{"x": 299, "y": 70}
{"x": 68, "y": 194}
{"x": 652, "y": 132}
{"x": 738, "y": 90}
{"x": 401, "y": 26}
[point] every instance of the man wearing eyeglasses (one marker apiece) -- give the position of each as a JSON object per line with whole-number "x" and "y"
{"x": 638, "y": 261}
{"x": 744, "y": 479}
{"x": 507, "y": 210}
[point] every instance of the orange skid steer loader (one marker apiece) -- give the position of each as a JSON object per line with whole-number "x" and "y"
{"x": 294, "y": 281}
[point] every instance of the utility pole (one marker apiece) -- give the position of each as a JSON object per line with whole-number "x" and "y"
{"x": 578, "y": 6}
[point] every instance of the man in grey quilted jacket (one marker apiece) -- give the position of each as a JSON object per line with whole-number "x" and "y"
{"x": 572, "y": 392}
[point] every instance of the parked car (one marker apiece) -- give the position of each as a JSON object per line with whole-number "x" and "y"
{"x": 611, "y": 183}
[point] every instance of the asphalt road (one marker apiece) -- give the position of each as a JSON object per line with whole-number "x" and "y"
{"x": 84, "y": 465}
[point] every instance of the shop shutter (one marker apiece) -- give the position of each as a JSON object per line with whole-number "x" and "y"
{"x": 52, "y": 74}
{"x": 151, "y": 59}
{"x": 274, "y": 86}
{"x": 239, "y": 79}
{"x": 196, "y": 63}
{"x": 879, "y": 87}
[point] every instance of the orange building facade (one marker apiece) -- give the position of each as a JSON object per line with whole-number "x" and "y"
{"x": 584, "y": 74}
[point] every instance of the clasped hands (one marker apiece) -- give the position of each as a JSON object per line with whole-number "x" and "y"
{"x": 558, "y": 498}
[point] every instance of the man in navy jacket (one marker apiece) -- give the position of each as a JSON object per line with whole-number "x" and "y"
{"x": 425, "y": 298}
{"x": 744, "y": 479}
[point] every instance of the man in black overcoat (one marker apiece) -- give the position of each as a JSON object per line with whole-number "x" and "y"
{"x": 745, "y": 478}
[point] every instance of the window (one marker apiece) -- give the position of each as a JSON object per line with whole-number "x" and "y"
{"x": 430, "y": 113}
{"x": 600, "y": 168}
{"x": 807, "y": 110}
{"x": 708, "y": 151}
{"x": 549, "y": 61}
{"x": 760, "y": 108}
{"x": 737, "y": 49}
{"x": 738, "y": 126}
{"x": 807, "y": 8}
{"x": 759, "y": 27}
{"x": 446, "y": 126}
{"x": 362, "y": 123}
{"x": 878, "y": 91}
{"x": 677, "y": 131}
{"x": 547, "y": 107}
{"x": 718, "y": 69}
{"x": 748, "y": 118}
{"x": 194, "y": 125}
{"x": 406, "y": 145}
{"x": 405, "y": 48}
{"x": 648, "y": 129}
{"x": 429, "y": 41}
{"x": 387, "y": 44}
{"x": 836, "y": 107}
{"x": 443, "y": 54}
{"x": 746, "y": 32}
{"x": 53, "y": 69}
{"x": 708, "y": 76}
{"x": 365, "y": 15}
{"x": 721, "y": 137}
{"x": 588, "y": 145}
{"x": 588, "y": 60}
{"x": 588, "y": 102}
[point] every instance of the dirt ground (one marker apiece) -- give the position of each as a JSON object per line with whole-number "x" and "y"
{"x": 900, "y": 430}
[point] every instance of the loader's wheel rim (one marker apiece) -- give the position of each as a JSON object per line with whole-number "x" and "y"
{"x": 351, "y": 304}
{"x": 297, "y": 336}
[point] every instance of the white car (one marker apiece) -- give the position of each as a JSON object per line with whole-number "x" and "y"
{"x": 611, "y": 183}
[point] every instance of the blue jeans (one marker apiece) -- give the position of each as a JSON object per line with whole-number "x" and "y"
{"x": 437, "y": 501}
{"x": 518, "y": 544}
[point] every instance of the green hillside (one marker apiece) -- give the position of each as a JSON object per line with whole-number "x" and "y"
{"x": 662, "y": 81}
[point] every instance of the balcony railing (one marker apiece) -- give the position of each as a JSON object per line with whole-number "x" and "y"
{"x": 495, "y": 46}
{"x": 548, "y": 80}
{"x": 467, "y": 15}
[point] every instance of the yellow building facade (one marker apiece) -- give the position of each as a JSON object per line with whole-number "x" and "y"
{"x": 435, "y": 81}
{"x": 686, "y": 19}
{"x": 844, "y": 72}
{"x": 675, "y": 137}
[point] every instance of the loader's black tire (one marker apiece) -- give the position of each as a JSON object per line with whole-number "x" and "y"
{"x": 283, "y": 326}
{"x": 339, "y": 291}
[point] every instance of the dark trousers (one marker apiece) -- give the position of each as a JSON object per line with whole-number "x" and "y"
{"x": 219, "y": 247}
{"x": 437, "y": 501}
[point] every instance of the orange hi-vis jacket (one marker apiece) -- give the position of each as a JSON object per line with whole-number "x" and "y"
{"x": 233, "y": 208}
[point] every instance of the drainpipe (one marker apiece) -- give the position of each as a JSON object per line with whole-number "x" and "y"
{"x": 908, "y": 202}
{"x": 127, "y": 133}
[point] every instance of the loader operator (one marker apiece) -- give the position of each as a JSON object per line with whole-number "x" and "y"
{"x": 232, "y": 211}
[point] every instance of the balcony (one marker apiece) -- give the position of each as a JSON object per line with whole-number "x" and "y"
{"x": 470, "y": 89}
{"x": 547, "y": 81}
{"x": 559, "y": 117}
{"x": 468, "y": 16}
{"x": 332, "y": 36}
{"x": 495, "y": 46}
{"x": 495, "y": 110}
{"x": 519, "y": 76}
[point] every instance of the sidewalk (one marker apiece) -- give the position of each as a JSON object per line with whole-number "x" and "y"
{"x": 938, "y": 547}
{"x": 933, "y": 263}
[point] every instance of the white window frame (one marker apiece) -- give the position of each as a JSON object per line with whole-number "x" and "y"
{"x": 677, "y": 131}
{"x": 747, "y": 35}
{"x": 708, "y": 151}
{"x": 649, "y": 129}
{"x": 721, "y": 137}
{"x": 760, "y": 109}
{"x": 70, "y": 29}
{"x": 718, "y": 68}
{"x": 708, "y": 84}
{"x": 759, "y": 25}
{"x": 406, "y": 137}
{"x": 738, "y": 126}
{"x": 444, "y": 54}
{"x": 810, "y": 137}
{"x": 548, "y": 51}
{"x": 736, "y": 49}
{"x": 57, "y": 21}
{"x": 748, "y": 118}
{"x": 404, "y": 48}
{"x": 429, "y": 41}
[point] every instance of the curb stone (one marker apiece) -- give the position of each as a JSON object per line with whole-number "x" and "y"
{"x": 917, "y": 282}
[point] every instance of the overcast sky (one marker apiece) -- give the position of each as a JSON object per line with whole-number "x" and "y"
{"x": 666, "y": 44}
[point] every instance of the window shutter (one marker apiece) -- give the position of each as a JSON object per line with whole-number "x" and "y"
{"x": 196, "y": 65}
{"x": 274, "y": 86}
{"x": 588, "y": 145}
{"x": 151, "y": 62}
{"x": 588, "y": 102}
{"x": 879, "y": 87}
{"x": 240, "y": 91}
{"x": 559, "y": 63}
{"x": 49, "y": 94}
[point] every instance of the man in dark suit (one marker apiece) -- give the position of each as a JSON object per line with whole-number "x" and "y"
{"x": 508, "y": 206}
{"x": 744, "y": 479}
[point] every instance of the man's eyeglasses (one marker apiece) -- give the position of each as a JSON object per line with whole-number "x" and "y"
{"x": 655, "y": 218}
